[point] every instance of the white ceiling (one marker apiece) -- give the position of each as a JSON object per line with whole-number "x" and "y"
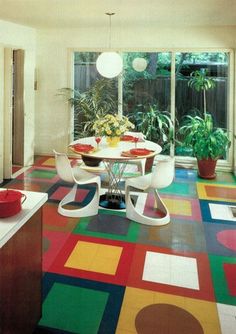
{"x": 77, "y": 13}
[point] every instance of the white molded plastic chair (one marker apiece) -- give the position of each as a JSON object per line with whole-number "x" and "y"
{"x": 139, "y": 162}
{"x": 76, "y": 176}
{"x": 162, "y": 176}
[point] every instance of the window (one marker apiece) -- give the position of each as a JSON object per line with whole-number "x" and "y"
{"x": 191, "y": 101}
{"x": 93, "y": 95}
{"x": 146, "y": 83}
{"x": 140, "y": 91}
{"x": 148, "y": 87}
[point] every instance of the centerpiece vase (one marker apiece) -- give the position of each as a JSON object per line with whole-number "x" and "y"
{"x": 112, "y": 141}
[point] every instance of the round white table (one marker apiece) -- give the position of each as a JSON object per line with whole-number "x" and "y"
{"x": 114, "y": 198}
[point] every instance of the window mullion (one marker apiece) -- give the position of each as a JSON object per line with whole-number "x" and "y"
{"x": 172, "y": 99}
{"x": 120, "y": 94}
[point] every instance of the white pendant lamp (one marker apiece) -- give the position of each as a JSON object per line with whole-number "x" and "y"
{"x": 139, "y": 64}
{"x": 109, "y": 64}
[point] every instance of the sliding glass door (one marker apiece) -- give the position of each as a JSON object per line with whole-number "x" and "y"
{"x": 147, "y": 88}
{"x": 190, "y": 101}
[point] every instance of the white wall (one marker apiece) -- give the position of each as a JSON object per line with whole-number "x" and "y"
{"x": 1, "y": 111}
{"x": 20, "y": 37}
{"x": 52, "y": 116}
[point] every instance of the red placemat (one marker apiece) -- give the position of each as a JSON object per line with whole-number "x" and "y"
{"x": 82, "y": 148}
{"x": 136, "y": 152}
{"x": 127, "y": 138}
{"x": 131, "y": 138}
{"x": 140, "y": 151}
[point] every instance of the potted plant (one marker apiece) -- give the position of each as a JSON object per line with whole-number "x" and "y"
{"x": 100, "y": 99}
{"x": 156, "y": 125}
{"x": 208, "y": 143}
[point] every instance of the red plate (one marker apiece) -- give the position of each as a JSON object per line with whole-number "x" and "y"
{"x": 140, "y": 151}
{"x": 82, "y": 148}
{"x": 127, "y": 138}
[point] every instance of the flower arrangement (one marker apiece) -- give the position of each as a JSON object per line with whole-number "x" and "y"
{"x": 112, "y": 125}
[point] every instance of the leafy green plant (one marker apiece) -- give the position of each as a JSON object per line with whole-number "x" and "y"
{"x": 155, "y": 124}
{"x": 205, "y": 140}
{"x": 100, "y": 99}
{"x": 200, "y": 82}
{"x": 199, "y": 132}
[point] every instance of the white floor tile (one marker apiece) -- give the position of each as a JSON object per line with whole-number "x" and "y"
{"x": 171, "y": 269}
{"x": 227, "y": 316}
{"x": 221, "y": 211}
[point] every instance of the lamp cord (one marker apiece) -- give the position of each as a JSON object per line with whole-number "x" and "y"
{"x": 110, "y": 15}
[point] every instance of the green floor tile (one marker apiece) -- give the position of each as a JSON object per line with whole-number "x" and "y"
{"x": 74, "y": 309}
{"x": 219, "y": 280}
{"x": 180, "y": 189}
{"x": 132, "y": 231}
{"x": 42, "y": 174}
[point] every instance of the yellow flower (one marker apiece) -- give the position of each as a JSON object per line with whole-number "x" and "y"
{"x": 112, "y": 125}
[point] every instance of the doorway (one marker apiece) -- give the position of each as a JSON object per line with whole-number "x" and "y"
{"x": 17, "y": 110}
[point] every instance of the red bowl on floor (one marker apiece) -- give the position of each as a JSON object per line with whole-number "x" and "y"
{"x": 10, "y": 202}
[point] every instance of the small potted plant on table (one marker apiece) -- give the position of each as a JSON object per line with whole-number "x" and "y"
{"x": 112, "y": 127}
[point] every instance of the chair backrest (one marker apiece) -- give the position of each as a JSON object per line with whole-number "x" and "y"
{"x": 63, "y": 167}
{"x": 163, "y": 173}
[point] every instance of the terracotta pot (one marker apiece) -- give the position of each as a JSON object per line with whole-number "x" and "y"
{"x": 206, "y": 168}
{"x": 10, "y": 202}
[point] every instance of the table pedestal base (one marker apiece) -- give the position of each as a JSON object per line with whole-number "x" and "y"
{"x": 115, "y": 203}
{"x": 114, "y": 198}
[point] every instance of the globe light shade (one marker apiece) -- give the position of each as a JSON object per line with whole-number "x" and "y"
{"x": 139, "y": 64}
{"x": 109, "y": 64}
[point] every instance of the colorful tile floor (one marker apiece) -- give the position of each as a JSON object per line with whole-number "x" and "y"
{"x": 106, "y": 274}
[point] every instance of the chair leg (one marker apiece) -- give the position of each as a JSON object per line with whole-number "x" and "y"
{"x": 141, "y": 167}
{"x": 162, "y": 207}
{"x": 137, "y": 216}
{"x": 91, "y": 209}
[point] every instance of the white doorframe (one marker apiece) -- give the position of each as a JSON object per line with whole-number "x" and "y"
{"x": 7, "y": 114}
{"x": 1, "y": 111}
